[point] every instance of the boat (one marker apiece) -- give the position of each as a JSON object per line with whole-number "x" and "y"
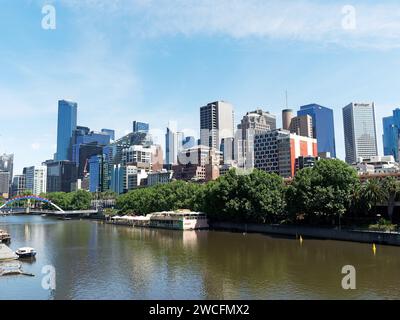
{"x": 26, "y": 252}
{"x": 4, "y": 236}
{"x": 12, "y": 269}
{"x": 179, "y": 220}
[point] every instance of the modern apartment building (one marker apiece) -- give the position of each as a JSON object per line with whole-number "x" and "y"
{"x": 276, "y": 151}
{"x": 216, "y": 123}
{"x": 36, "y": 179}
{"x": 359, "y": 131}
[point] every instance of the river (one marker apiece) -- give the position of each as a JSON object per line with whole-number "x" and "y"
{"x": 93, "y": 260}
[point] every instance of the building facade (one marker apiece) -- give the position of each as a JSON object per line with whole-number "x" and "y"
{"x": 323, "y": 127}
{"x": 4, "y": 184}
{"x": 18, "y": 185}
{"x": 36, "y": 179}
{"x": 159, "y": 177}
{"x": 377, "y": 165}
{"x": 359, "y": 131}
{"x": 7, "y": 164}
{"x": 141, "y": 127}
{"x": 67, "y": 123}
{"x": 200, "y": 163}
{"x": 276, "y": 151}
{"x": 253, "y": 123}
{"x": 216, "y": 123}
{"x": 302, "y": 126}
{"x": 99, "y": 174}
{"x": 61, "y": 176}
{"x": 173, "y": 144}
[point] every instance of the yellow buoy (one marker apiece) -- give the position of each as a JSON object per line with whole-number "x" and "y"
{"x": 374, "y": 248}
{"x": 301, "y": 240}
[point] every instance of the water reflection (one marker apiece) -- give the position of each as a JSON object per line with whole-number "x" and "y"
{"x": 94, "y": 260}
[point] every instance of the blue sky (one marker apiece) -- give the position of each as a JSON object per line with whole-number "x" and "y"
{"x": 158, "y": 61}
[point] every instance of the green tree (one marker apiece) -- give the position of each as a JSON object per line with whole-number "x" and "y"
{"x": 373, "y": 194}
{"x": 257, "y": 197}
{"x": 391, "y": 189}
{"x": 162, "y": 197}
{"x": 322, "y": 194}
{"x": 61, "y": 199}
{"x": 80, "y": 200}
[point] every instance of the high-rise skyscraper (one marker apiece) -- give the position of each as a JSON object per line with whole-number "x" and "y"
{"x": 173, "y": 144}
{"x": 323, "y": 127}
{"x": 359, "y": 131}
{"x": 4, "y": 184}
{"x": 67, "y": 123}
{"x": 61, "y": 176}
{"x": 391, "y": 135}
{"x": 7, "y": 164}
{"x": 253, "y": 123}
{"x": 36, "y": 179}
{"x": 216, "y": 123}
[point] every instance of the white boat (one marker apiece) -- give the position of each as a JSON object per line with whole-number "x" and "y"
{"x": 180, "y": 220}
{"x": 26, "y": 252}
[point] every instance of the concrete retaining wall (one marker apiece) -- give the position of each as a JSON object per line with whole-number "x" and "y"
{"x": 311, "y": 232}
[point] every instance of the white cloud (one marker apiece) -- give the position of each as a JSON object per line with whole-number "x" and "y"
{"x": 35, "y": 146}
{"x": 378, "y": 25}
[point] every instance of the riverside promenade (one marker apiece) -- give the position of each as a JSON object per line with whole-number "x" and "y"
{"x": 363, "y": 236}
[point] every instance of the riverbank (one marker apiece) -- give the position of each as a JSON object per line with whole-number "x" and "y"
{"x": 363, "y": 236}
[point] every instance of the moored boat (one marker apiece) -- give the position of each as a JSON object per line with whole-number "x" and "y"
{"x": 179, "y": 220}
{"x": 26, "y": 252}
{"x": 4, "y": 236}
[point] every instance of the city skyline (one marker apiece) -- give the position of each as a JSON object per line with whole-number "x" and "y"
{"x": 142, "y": 71}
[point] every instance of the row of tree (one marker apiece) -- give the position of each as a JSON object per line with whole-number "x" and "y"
{"x": 78, "y": 200}
{"x": 324, "y": 194}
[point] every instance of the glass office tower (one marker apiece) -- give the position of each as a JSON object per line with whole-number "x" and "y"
{"x": 359, "y": 131}
{"x": 323, "y": 127}
{"x": 391, "y": 135}
{"x": 67, "y": 122}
